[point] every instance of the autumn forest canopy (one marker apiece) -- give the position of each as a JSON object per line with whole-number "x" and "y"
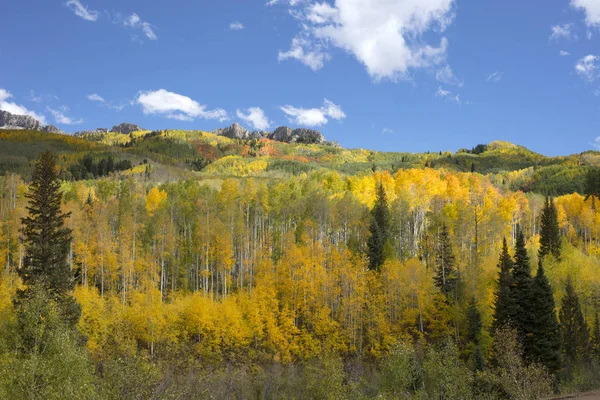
{"x": 182, "y": 264}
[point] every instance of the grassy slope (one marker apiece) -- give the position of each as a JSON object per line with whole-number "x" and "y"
{"x": 176, "y": 154}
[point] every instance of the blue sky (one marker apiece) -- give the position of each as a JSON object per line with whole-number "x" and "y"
{"x": 405, "y": 75}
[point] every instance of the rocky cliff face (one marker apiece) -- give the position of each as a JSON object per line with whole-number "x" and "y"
{"x": 51, "y": 129}
{"x": 281, "y": 134}
{"x": 235, "y": 131}
{"x": 126, "y": 128}
{"x": 301, "y": 135}
{"x": 12, "y": 121}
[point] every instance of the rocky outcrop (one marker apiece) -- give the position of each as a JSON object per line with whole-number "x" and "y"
{"x": 235, "y": 131}
{"x": 51, "y": 129}
{"x": 282, "y": 134}
{"x": 301, "y": 135}
{"x": 12, "y": 121}
{"x": 126, "y": 128}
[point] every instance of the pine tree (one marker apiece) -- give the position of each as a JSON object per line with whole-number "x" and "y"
{"x": 474, "y": 323}
{"x": 446, "y": 275}
{"x": 544, "y": 343}
{"x": 592, "y": 186}
{"x": 595, "y": 342}
{"x": 549, "y": 231}
{"x": 380, "y": 230}
{"x": 474, "y": 326}
{"x": 520, "y": 289}
{"x": 47, "y": 241}
{"x": 574, "y": 330}
{"x": 504, "y": 302}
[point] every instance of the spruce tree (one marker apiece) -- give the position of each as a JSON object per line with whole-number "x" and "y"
{"x": 544, "y": 343}
{"x": 574, "y": 330}
{"x": 380, "y": 230}
{"x": 549, "y": 231}
{"x": 446, "y": 275}
{"x": 504, "y": 302}
{"x": 47, "y": 241}
{"x": 595, "y": 342}
{"x": 592, "y": 186}
{"x": 474, "y": 326}
{"x": 520, "y": 289}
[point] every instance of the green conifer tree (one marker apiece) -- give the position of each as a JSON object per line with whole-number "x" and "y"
{"x": 504, "y": 302}
{"x": 446, "y": 276}
{"x": 520, "y": 289}
{"x": 549, "y": 231}
{"x": 379, "y": 229}
{"x": 47, "y": 240}
{"x": 544, "y": 343}
{"x": 574, "y": 330}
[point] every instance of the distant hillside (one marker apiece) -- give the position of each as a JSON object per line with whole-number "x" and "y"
{"x": 175, "y": 154}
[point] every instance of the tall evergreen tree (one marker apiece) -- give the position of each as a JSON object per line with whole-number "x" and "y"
{"x": 504, "y": 303}
{"x": 549, "y": 231}
{"x": 544, "y": 343}
{"x": 47, "y": 240}
{"x": 574, "y": 330}
{"x": 474, "y": 327}
{"x": 595, "y": 342}
{"x": 446, "y": 275}
{"x": 379, "y": 229}
{"x": 520, "y": 289}
{"x": 592, "y": 186}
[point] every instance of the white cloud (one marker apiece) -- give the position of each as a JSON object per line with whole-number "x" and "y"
{"x": 564, "y": 53}
{"x": 176, "y": 106}
{"x": 387, "y": 131}
{"x": 307, "y": 52}
{"x": 82, "y": 11}
{"x": 563, "y": 31}
{"x": 134, "y": 21}
{"x": 314, "y": 116}
{"x": 256, "y": 117}
{"x": 96, "y": 97}
{"x": 596, "y": 143}
{"x": 495, "y": 77}
{"x": 591, "y": 9}
{"x": 385, "y": 36}
{"x": 17, "y": 109}
{"x": 62, "y": 118}
{"x": 446, "y": 75}
{"x": 448, "y": 96}
{"x": 236, "y": 26}
{"x": 587, "y": 67}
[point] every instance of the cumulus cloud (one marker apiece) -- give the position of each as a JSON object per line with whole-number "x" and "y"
{"x": 596, "y": 143}
{"x": 387, "y": 131}
{"x": 587, "y": 67}
{"x": 563, "y": 31}
{"x": 134, "y": 21}
{"x": 314, "y": 116}
{"x": 176, "y": 106}
{"x": 495, "y": 77}
{"x": 236, "y": 26}
{"x": 256, "y": 117}
{"x": 591, "y": 9}
{"x": 82, "y": 11}
{"x": 61, "y": 118}
{"x": 564, "y": 53}
{"x": 96, "y": 97}
{"x": 385, "y": 36}
{"x": 17, "y": 109}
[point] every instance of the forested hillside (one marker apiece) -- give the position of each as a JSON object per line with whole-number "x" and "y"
{"x": 204, "y": 266}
